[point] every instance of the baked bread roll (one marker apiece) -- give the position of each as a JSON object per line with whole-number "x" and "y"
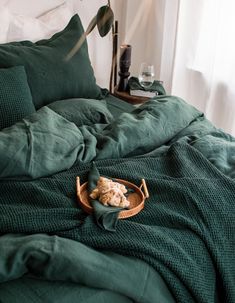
{"x": 110, "y": 193}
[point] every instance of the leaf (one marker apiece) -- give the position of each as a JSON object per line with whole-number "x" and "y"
{"x": 104, "y": 20}
{"x": 76, "y": 47}
{"x": 79, "y": 43}
{"x": 91, "y": 25}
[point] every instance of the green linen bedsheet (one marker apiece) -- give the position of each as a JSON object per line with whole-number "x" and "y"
{"x": 79, "y": 273}
{"x": 45, "y": 142}
{"x": 186, "y": 231}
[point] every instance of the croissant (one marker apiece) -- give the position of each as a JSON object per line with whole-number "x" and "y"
{"x": 110, "y": 193}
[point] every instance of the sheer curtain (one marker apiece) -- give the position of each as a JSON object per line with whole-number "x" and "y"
{"x": 204, "y": 63}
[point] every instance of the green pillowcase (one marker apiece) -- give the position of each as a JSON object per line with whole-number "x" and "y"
{"x": 50, "y": 76}
{"x": 15, "y": 96}
{"x": 83, "y": 111}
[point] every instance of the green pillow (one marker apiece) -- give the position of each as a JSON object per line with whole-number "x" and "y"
{"x": 50, "y": 76}
{"x": 15, "y": 96}
{"x": 83, "y": 111}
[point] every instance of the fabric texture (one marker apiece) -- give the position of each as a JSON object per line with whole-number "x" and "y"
{"x": 50, "y": 76}
{"x": 203, "y": 59}
{"x": 106, "y": 216}
{"x": 22, "y": 27}
{"x": 82, "y": 111}
{"x": 4, "y": 17}
{"x": 46, "y": 142}
{"x": 117, "y": 106}
{"x": 26, "y": 8}
{"x": 61, "y": 270}
{"x": 157, "y": 86}
{"x": 15, "y": 96}
{"x": 186, "y": 230}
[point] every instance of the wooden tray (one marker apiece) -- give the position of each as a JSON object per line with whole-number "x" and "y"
{"x": 136, "y": 199}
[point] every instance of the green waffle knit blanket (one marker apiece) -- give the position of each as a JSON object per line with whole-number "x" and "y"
{"x": 186, "y": 230}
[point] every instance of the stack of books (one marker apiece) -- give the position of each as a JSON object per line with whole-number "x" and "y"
{"x": 143, "y": 93}
{"x": 137, "y": 90}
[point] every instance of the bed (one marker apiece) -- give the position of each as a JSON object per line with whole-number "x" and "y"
{"x": 56, "y": 122}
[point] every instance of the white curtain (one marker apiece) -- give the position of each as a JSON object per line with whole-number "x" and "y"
{"x": 204, "y": 63}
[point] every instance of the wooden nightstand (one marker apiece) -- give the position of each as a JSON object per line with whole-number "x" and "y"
{"x": 125, "y": 96}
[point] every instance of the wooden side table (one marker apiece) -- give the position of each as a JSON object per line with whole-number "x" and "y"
{"x": 125, "y": 96}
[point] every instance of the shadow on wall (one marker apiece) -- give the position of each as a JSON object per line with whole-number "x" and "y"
{"x": 214, "y": 102}
{"x": 197, "y": 91}
{"x": 222, "y": 107}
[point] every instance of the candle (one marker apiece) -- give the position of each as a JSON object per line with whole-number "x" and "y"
{"x": 125, "y": 54}
{"x": 124, "y": 62}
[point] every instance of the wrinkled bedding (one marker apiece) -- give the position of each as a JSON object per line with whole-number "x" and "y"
{"x": 46, "y": 143}
{"x": 181, "y": 243}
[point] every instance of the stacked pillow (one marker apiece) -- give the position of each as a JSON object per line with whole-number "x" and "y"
{"x": 15, "y": 96}
{"x": 34, "y": 74}
{"x": 83, "y": 111}
{"x": 17, "y": 27}
{"x": 29, "y": 8}
{"x": 50, "y": 76}
{"x": 4, "y": 17}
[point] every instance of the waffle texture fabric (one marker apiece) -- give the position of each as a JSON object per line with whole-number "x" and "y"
{"x": 186, "y": 230}
{"x": 15, "y": 96}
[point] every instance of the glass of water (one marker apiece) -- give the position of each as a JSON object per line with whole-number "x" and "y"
{"x": 146, "y": 75}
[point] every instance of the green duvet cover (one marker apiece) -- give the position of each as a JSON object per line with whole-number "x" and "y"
{"x": 179, "y": 248}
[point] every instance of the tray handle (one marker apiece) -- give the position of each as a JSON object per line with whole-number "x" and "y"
{"x": 78, "y": 185}
{"x": 146, "y": 192}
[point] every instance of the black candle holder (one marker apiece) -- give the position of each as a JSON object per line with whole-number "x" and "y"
{"x": 124, "y": 64}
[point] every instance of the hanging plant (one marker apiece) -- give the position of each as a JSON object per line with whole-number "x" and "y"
{"x": 104, "y": 22}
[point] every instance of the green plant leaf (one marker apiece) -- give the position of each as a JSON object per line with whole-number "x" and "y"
{"x": 104, "y": 20}
{"x": 91, "y": 25}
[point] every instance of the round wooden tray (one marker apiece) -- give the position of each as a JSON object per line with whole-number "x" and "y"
{"x": 136, "y": 198}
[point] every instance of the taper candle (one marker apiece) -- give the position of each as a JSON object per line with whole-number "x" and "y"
{"x": 124, "y": 63}
{"x": 125, "y": 54}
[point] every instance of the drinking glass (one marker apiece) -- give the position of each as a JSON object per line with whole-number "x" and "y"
{"x": 146, "y": 75}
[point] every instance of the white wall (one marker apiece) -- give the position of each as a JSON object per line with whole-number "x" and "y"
{"x": 144, "y": 32}
{"x": 168, "y": 46}
{"x": 150, "y": 27}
